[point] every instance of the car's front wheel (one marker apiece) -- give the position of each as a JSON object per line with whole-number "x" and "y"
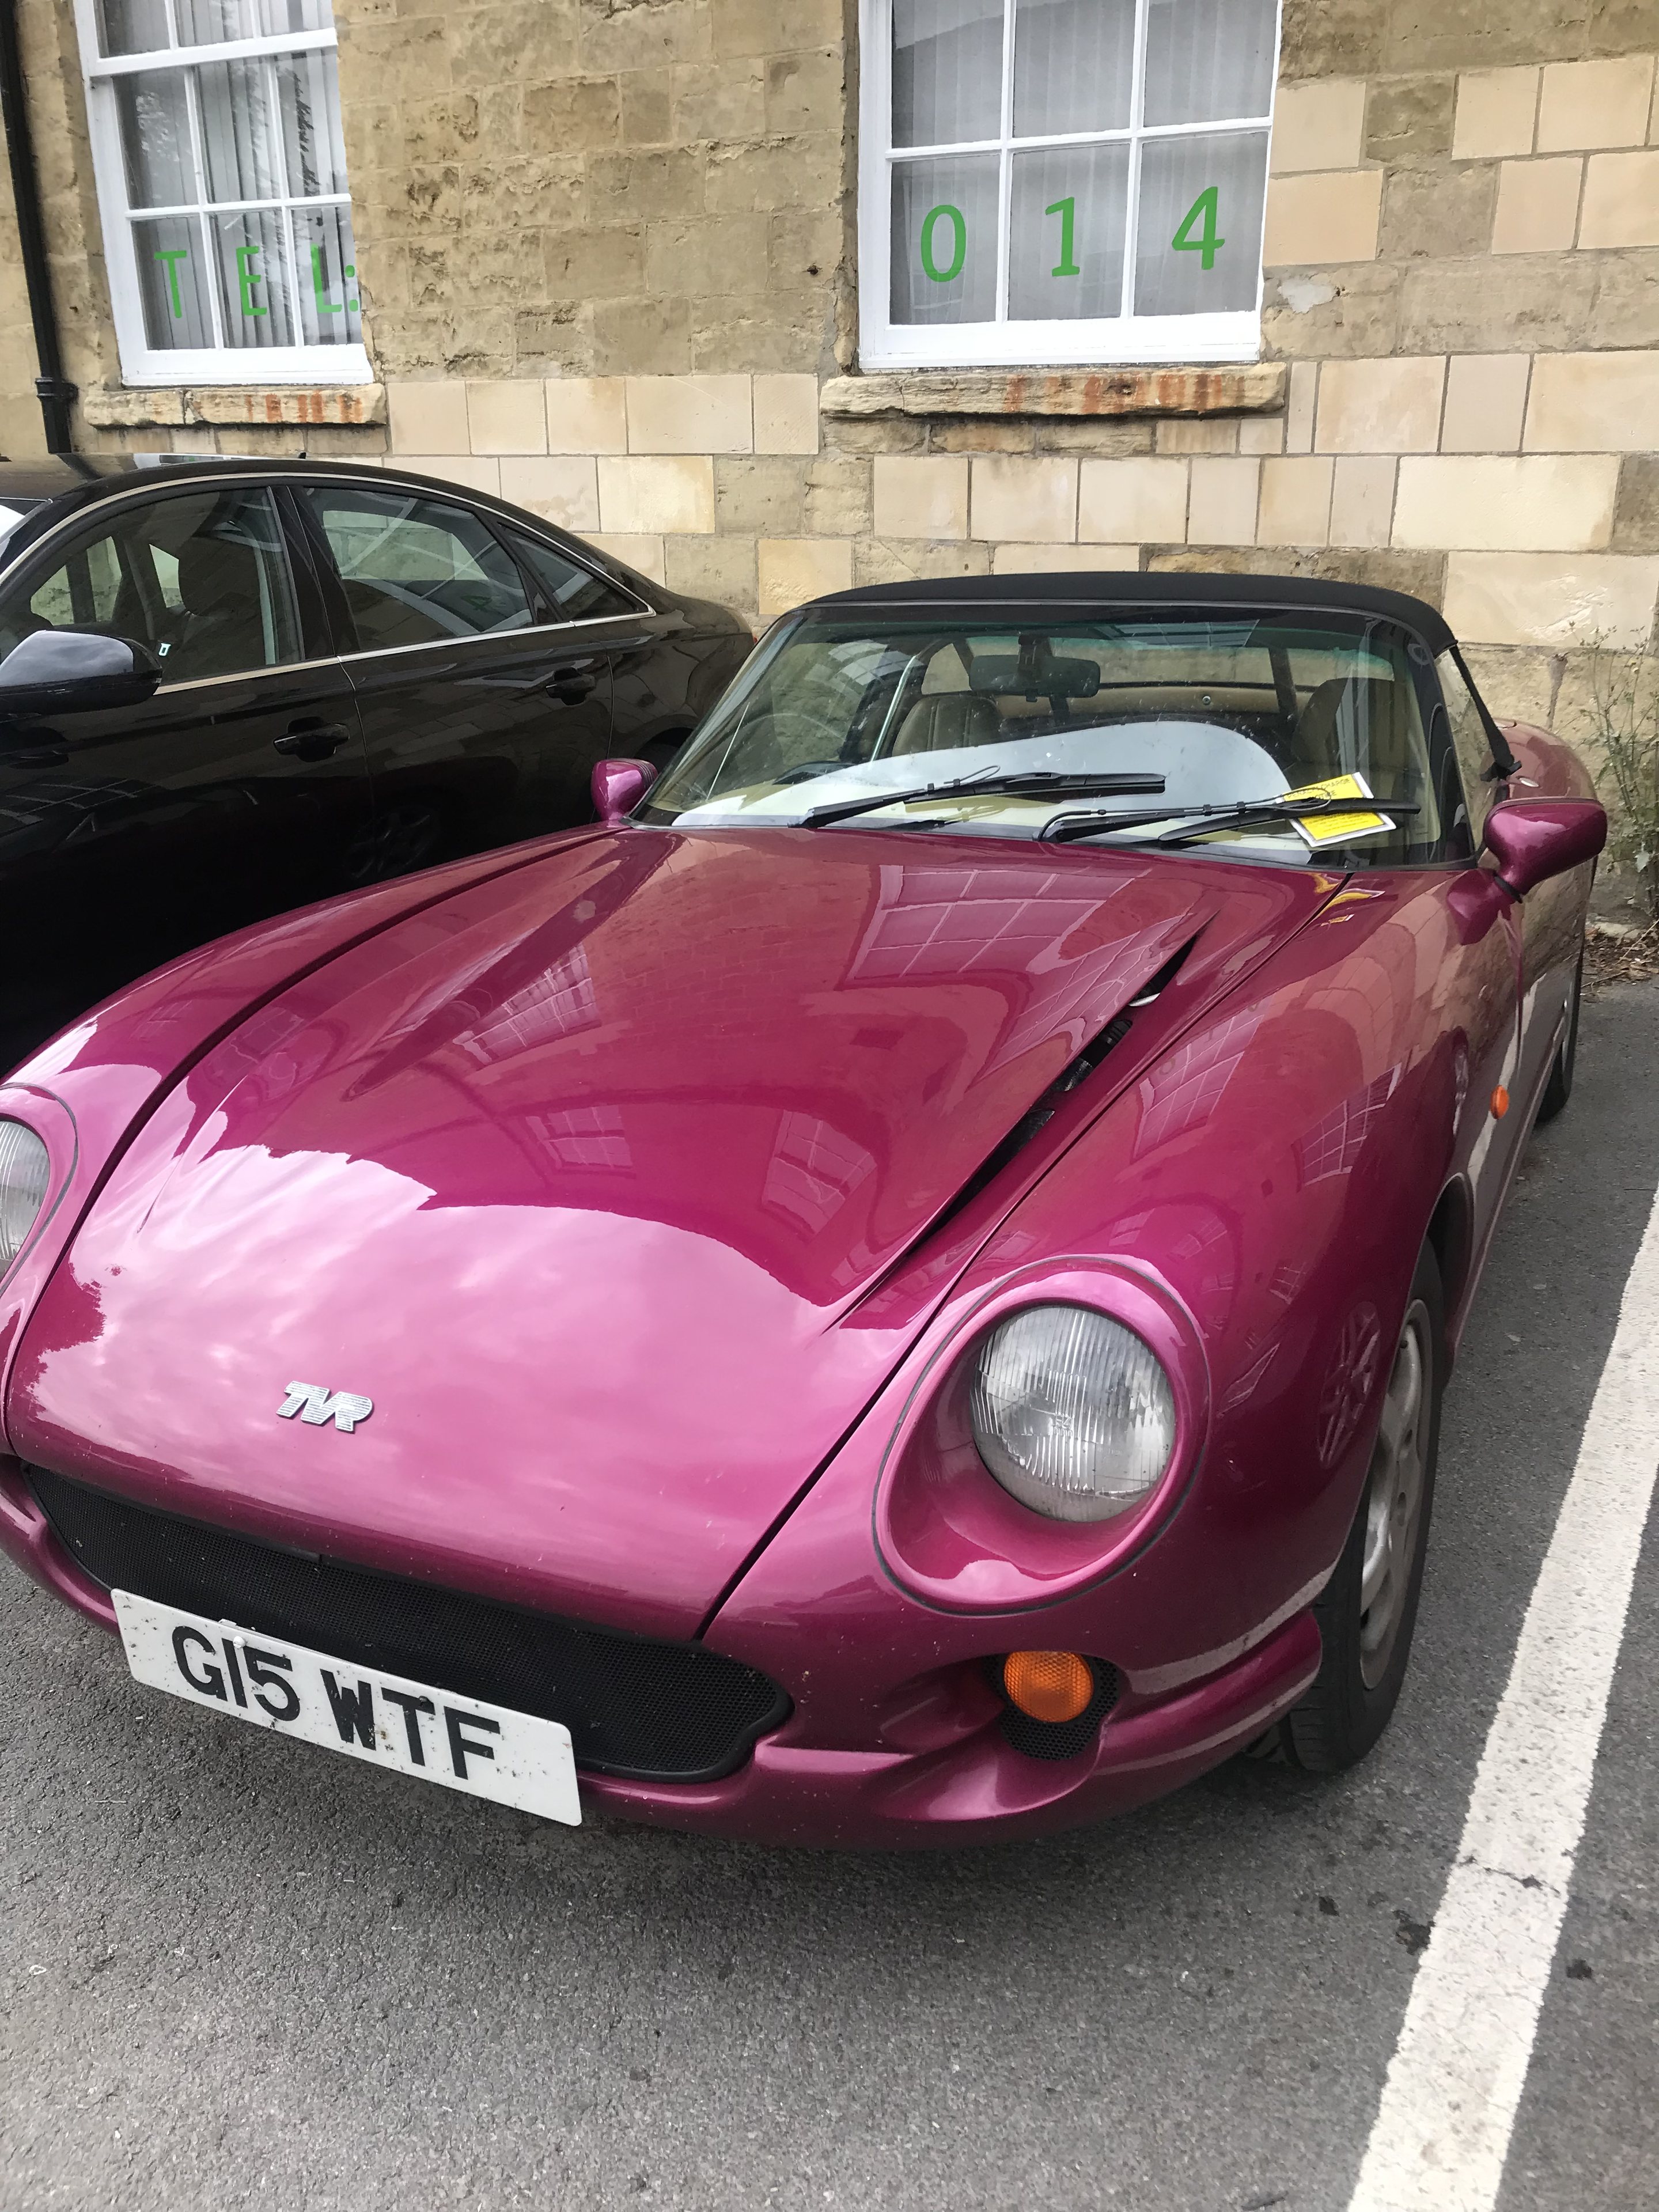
{"x": 1369, "y": 1608}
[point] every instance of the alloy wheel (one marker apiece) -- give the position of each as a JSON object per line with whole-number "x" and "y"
{"x": 1394, "y": 1504}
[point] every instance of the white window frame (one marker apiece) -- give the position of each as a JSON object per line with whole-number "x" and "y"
{"x": 140, "y": 362}
{"x": 1125, "y": 339}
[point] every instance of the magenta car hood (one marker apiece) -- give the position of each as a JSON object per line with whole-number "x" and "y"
{"x": 579, "y": 1176}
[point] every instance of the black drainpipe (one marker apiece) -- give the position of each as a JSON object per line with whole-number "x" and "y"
{"x": 54, "y": 392}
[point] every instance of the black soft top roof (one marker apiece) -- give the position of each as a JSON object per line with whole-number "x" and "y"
{"x": 1106, "y": 591}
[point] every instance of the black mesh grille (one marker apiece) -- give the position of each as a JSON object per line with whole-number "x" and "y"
{"x": 675, "y": 1712}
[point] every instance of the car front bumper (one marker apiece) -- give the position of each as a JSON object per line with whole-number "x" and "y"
{"x": 895, "y": 1738}
{"x": 980, "y": 1789}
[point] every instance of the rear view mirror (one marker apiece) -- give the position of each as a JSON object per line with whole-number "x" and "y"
{"x": 60, "y": 671}
{"x": 617, "y": 787}
{"x": 1004, "y": 674}
{"x": 1534, "y": 839}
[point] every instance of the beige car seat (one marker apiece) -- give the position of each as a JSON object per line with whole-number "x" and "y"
{"x": 1350, "y": 723}
{"x": 947, "y": 718}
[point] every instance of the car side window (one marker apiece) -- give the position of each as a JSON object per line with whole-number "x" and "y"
{"x": 567, "y": 592}
{"x": 417, "y": 571}
{"x": 201, "y": 578}
{"x": 1470, "y": 740}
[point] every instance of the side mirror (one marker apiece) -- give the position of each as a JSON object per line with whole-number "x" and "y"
{"x": 617, "y": 787}
{"x": 59, "y": 671}
{"x": 1534, "y": 839}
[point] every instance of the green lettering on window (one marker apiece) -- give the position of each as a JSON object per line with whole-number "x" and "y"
{"x": 1207, "y": 242}
{"x": 169, "y": 262}
{"x": 1067, "y": 265}
{"x": 246, "y": 277}
{"x": 959, "y": 232}
{"x": 319, "y": 285}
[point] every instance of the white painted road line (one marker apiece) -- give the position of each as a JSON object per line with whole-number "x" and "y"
{"x": 1449, "y": 2104}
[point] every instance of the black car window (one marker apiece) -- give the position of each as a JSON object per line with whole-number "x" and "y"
{"x": 202, "y": 578}
{"x": 568, "y": 593}
{"x": 416, "y": 570}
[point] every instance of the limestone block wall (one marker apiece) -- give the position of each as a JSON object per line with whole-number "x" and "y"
{"x": 1463, "y": 274}
{"x": 597, "y": 187}
{"x": 606, "y": 251}
{"x": 21, "y": 438}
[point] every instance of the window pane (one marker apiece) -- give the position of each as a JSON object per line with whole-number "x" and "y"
{"x": 173, "y": 282}
{"x": 156, "y": 138}
{"x": 329, "y": 306}
{"x": 1208, "y": 59}
{"x": 944, "y": 240}
{"x": 132, "y": 27}
{"x": 83, "y": 594}
{"x": 210, "y": 23}
{"x": 1074, "y": 65}
{"x": 234, "y": 597}
{"x": 240, "y": 132}
{"x": 947, "y": 71}
{"x": 253, "y": 294}
{"x": 571, "y": 594}
{"x": 417, "y": 571}
{"x": 202, "y": 580}
{"x": 1469, "y": 740}
{"x": 308, "y": 88}
{"x": 1070, "y": 212}
{"x": 1198, "y": 246}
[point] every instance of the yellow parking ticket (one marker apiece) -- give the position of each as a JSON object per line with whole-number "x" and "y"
{"x": 1323, "y": 830}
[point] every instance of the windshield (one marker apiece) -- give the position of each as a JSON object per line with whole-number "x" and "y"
{"x": 1181, "y": 714}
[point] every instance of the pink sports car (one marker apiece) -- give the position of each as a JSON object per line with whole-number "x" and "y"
{"x": 895, "y": 1289}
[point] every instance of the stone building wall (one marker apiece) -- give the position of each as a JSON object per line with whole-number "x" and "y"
{"x": 63, "y": 168}
{"x": 606, "y": 248}
{"x": 21, "y": 436}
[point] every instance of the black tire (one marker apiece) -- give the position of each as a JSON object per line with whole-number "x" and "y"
{"x": 1356, "y": 1687}
{"x": 1559, "y": 1089}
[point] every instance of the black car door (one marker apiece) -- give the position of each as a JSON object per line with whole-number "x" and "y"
{"x": 238, "y": 789}
{"x": 481, "y": 661}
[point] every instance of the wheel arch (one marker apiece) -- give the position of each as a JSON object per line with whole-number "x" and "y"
{"x": 1451, "y": 1238}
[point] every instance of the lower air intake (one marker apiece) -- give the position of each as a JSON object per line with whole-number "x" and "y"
{"x": 651, "y": 1711}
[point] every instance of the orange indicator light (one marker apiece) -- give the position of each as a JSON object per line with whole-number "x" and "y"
{"x": 1049, "y": 1686}
{"x": 1500, "y": 1102}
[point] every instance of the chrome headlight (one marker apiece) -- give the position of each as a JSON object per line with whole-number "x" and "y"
{"x": 1071, "y": 1413}
{"x": 24, "y": 1171}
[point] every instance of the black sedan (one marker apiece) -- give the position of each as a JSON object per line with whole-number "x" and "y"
{"x": 227, "y": 687}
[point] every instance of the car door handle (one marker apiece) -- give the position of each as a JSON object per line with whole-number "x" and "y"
{"x": 571, "y": 685}
{"x": 312, "y": 740}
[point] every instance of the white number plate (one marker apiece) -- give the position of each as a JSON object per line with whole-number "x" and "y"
{"x": 516, "y": 1758}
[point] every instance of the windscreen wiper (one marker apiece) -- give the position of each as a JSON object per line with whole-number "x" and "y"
{"x": 1200, "y": 821}
{"x": 1027, "y": 783}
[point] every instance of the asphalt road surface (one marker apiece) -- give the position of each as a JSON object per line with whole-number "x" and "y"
{"x": 237, "y": 1971}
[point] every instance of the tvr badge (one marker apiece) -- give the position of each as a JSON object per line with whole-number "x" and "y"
{"x": 315, "y": 1403}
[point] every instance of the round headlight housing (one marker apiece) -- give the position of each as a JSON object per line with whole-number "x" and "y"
{"x": 25, "y": 1169}
{"x": 1072, "y": 1412}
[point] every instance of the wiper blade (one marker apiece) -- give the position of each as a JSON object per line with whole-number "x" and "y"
{"x": 1028, "y": 783}
{"x": 1200, "y": 821}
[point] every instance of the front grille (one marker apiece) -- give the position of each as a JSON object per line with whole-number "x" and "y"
{"x": 653, "y": 1711}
